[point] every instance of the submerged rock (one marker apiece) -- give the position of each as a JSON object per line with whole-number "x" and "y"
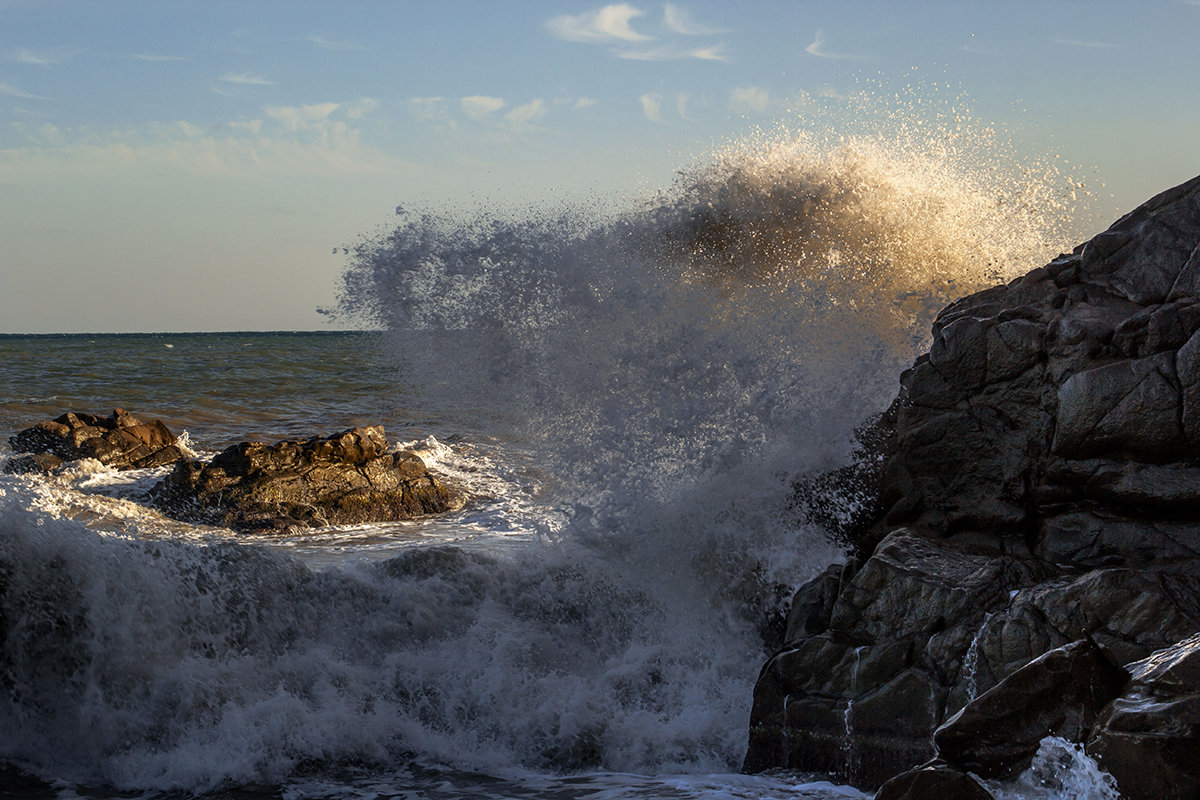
{"x": 121, "y": 441}
{"x": 1038, "y": 484}
{"x": 344, "y": 479}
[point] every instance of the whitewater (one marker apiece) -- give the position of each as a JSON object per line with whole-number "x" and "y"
{"x": 628, "y": 391}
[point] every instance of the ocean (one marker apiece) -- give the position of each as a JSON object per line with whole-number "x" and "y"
{"x": 628, "y": 398}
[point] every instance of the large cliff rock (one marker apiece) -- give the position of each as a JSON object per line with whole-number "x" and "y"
{"x": 1040, "y": 485}
{"x": 347, "y": 478}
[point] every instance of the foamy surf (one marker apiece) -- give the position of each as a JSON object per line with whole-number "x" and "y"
{"x": 630, "y": 397}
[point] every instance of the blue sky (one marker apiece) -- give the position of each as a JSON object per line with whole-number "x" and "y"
{"x": 192, "y": 165}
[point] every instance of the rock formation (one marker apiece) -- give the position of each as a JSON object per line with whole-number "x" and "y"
{"x": 1040, "y": 486}
{"x": 120, "y": 441}
{"x": 347, "y": 478}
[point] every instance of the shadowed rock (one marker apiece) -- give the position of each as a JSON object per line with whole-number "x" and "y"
{"x": 120, "y": 441}
{"x": 1036, "y": 482}
{"x": 1060, "y": 693}
{"x": 1149, "y": 738}
{"x": 933, "y": 781}
{"x": 347, "y": 478}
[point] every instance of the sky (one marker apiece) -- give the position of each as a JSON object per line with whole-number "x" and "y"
{"x": 193, "y": 166}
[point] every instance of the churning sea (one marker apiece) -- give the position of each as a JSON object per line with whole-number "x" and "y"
{"x": 628, "y": 399}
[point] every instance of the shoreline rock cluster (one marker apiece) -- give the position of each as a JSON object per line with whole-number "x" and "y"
{"x": 348, "y": 478}
{"x": 120, "y": 441}
{"x": 1034, "y": 495}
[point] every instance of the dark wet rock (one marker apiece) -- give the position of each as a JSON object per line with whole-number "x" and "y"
{"x": 121, "y": 441}
{"x": 1148, "y": 739}
{"x": 936, "y": 779}
{"x": 1060, "y": 693}
{"x": 347, "y": 478}
{"x": 862, "y": 696}
{"x": 33, "y": 463}
{"x": 1037, "y": 482}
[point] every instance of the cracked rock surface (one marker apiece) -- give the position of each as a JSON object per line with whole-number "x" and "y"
{"x": 344, "y": 479}
{"x": 1040, "y": 486}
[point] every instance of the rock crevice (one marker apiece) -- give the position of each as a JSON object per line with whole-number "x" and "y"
{"x": 1038, "y": 486}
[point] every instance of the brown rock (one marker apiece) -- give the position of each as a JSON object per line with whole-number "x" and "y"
{"x": 121, "y": 440}
{"x": 347, "y": 478}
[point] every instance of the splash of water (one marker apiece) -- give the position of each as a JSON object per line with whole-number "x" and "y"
{"x": 668, "y": 371}
{"x": 1061, "y": 770}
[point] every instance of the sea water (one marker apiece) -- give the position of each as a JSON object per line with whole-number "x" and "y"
{"x": 628, "y": 397}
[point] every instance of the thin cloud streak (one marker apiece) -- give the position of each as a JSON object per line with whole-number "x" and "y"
{"x": 156, "y": 58}
{"x": 246, "y": 79}
{"x": 682, "y": 22}
{"x": 336, "y": 45}
{"x": 9, "y": 90}
{"x": 607, "y": 24}
{"x": 1089, "y": 45}
{"x": 817, "y": 48}
{"x": 675, "y": 53}
{"x": 30, "y": 58}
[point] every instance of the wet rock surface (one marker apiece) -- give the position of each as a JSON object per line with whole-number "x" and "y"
{"x": 346, "y": 478}
{"x": 1060, "y": 693}
{"x": 1039, "y": 486}
{"x": 933, "y": 780}
{"x": 1149, "y": 737}
{"x": 120, "y": 441}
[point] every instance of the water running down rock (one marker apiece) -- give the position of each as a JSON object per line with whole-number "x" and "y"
{"x": 1038, "y": 486}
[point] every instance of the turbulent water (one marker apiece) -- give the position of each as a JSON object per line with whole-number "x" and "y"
{"x": 629, "y": 397}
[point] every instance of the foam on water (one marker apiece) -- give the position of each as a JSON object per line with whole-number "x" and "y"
{"x": 645, "y": 386}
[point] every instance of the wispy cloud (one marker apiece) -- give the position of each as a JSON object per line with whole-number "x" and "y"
{"x": 1087, "y": 44}
{"x": 361, "y": 107}
{"x": 714, "y": 53}
{"x": 672, "y": 52}
{"x": 664, "y": 41}
{"x": 297, "y": 118}
{"x": 8, "y": 90}
{"x": 246, "y": 149}
{"x": 749, "y": 98}
{"x": 818, "y": 48}
{"x": 337, "y": 45}
{"x": 246, "y": 79}
{"x": 480, "y": 106}
{"x": 681, "y": 103}
{"x": 652, "y": 106}
{"x": 682, "y": 22}
{"x": 431, "y": 109}
{"x": 584, "y": 102}
{"x": 37, "y": 59}
{"x": 154, "y": 57}
{"x": 607, "y": 24}
{"x": 523, "y": 115}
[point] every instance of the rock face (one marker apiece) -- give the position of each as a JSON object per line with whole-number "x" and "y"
{"x": 346, "y": 478}
{"x": 1060, "y": 693}
{"x": 120, "y": 441}
{"x": 1149, "y": 738}
{"x": 1040, "y": 485}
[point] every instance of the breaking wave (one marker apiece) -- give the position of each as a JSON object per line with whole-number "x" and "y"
{"x": 662, "y": 374}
